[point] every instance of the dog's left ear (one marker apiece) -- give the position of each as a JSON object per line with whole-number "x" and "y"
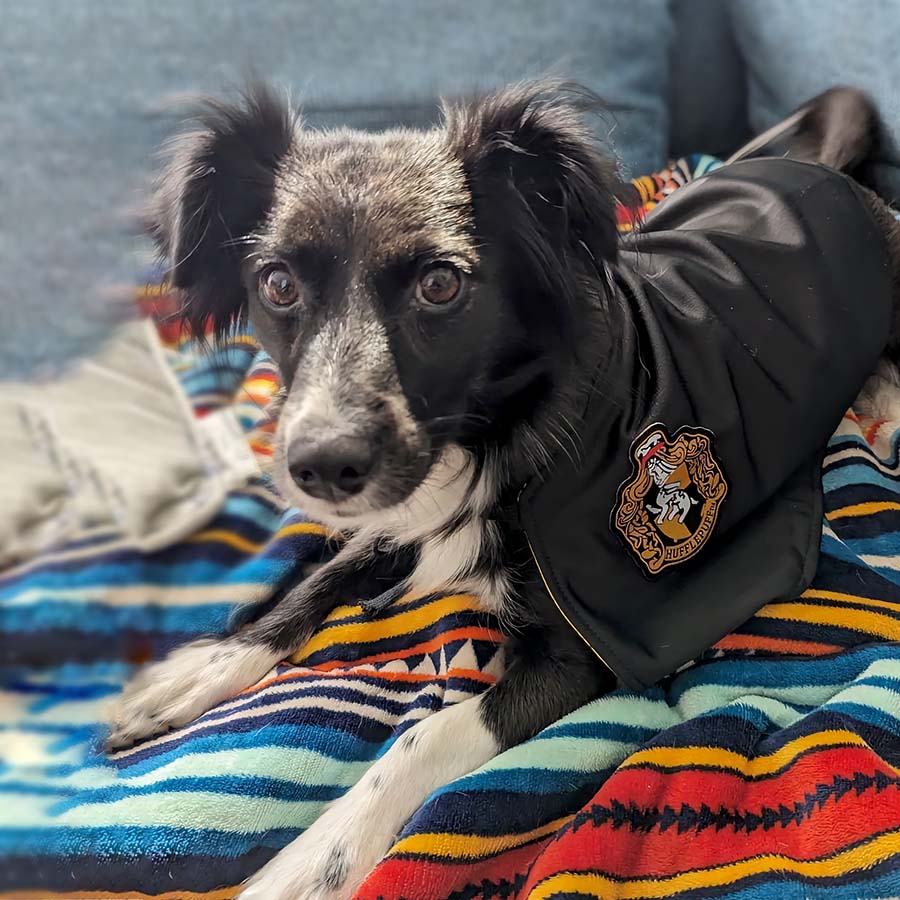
{"x": 531, "y": 145}
{"x": 216, "y": 189}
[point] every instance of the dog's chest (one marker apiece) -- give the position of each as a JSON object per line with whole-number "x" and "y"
{"x": 461, "y": 560}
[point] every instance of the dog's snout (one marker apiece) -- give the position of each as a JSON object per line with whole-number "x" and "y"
{"x": 333, "y": 469}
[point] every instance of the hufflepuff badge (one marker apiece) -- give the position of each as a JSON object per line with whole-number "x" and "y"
{"x": 667, "y": 508}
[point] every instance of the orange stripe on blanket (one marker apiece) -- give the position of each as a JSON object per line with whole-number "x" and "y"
{"x": 472, "y": 846}
{"x": 269, "y": 377}
{"x": 775, "y": 645}
{"x": 862, "y": 509}
{"x": 871, "y": 623}
{"x": 303, "y": 528}
{"x": 315, "y": 672}
{"x": 222, "y": 536}
{"x": 478, "y": 634}
{"x": 731, "y": 792}
{"x": 347, "y": 611}
{"x": 748, "y": 767}
{"x": 840, "y": 597}
{"x": 398, "y": 624}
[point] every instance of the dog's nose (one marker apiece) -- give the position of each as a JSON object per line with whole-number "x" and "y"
{"x": 331, "y": 470}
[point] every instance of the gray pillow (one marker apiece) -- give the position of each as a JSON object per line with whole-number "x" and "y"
{"x": 796, "y": 50}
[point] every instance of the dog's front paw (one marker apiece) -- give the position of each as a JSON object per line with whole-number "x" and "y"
{"x": 184, "y": 685}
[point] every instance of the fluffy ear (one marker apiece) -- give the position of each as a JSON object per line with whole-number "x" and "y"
{"x": 530, "y": 145}
{"x": 216, "y": 189}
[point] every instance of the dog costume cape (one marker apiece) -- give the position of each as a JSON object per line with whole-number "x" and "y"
{"x": 754, "y": 302}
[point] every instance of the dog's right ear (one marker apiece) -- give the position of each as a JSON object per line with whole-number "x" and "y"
{"x": 531, "y": 144}
{"x": 215, "y": 191}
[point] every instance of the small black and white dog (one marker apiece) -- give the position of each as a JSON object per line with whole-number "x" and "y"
{"x": 437, "y": 303}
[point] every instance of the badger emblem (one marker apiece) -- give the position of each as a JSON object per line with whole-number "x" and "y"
{"x": 667, "y": 508}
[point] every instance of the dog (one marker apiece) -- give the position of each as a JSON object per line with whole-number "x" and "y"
{"x": 437, "y": 302}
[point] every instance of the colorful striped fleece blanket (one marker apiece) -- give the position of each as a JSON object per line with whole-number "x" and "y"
{"x": 769, "y": 769}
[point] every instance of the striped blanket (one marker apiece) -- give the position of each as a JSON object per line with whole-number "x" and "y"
{"x": 768, "y": 769}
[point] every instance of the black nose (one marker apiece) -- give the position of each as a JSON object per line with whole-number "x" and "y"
{"x": 331, "y": 470}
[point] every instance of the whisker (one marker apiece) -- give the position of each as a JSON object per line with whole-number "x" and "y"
{"x": 458, "y": 418}
{"x": 247, "y": 239}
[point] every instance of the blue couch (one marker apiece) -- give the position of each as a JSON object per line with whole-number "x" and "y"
{"x": 88, "y": 88}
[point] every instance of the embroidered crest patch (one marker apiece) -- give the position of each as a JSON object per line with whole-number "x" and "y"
{"x": 667, "y": 509}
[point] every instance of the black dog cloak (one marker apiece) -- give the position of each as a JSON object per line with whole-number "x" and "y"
{"x": 754, "y": 303}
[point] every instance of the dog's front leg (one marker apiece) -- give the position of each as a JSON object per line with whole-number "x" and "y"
{"x": 332, "y": 857}
{"x": 194, "y": 678}
{"x": 549, "y": 673}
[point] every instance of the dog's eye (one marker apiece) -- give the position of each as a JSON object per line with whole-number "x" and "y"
{"x": 439, "y": 285}
{"x": 279, "y": 287}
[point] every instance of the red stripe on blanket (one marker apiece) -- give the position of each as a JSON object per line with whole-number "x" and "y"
{"x": 399, "y": 878}
{"x": 639, "y": 838}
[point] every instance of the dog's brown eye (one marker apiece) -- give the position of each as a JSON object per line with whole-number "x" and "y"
{"x": 279, "y": 287}
{"x": 439, "y": 285}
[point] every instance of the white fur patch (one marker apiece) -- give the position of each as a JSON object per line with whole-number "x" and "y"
{"x": 184, "y": 685}
{"x": 318, "y": 405}
{"x": 445, "y": 492}
{"x": 445, "y": 563}
{"x": 442, "y": 559}
{"x": 878, "y": 397}
{"x": 332, "y": 858}
{"x": 445, "y": 560}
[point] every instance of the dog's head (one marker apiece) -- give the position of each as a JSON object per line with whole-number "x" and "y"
{"x": 417, "y": 289}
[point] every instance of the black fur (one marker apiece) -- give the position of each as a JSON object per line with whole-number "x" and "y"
{"x": 839, "y": 128}
{"x": 540, "y": 187}
{"x": 217, "y": 188}
{"x": 359, "y": 572}
{"x": 335, "y": 869}
{"x": 548, "y": 674}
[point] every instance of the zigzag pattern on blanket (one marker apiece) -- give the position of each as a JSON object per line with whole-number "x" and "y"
{"x": 767, "y": 769}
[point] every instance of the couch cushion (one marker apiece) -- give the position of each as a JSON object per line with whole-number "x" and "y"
{"x": 85, "y": 115}
{"x": 383, "y": 62}
{"x": 708, "y": 106}
{"x": 796, "y": 50}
